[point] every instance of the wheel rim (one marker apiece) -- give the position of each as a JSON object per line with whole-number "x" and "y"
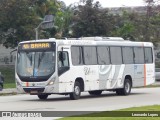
{"x": 127, "y": 87}
{"x": 77, "y": 90}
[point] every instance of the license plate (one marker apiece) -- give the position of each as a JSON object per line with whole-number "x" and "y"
{"x": 33, "y": 92}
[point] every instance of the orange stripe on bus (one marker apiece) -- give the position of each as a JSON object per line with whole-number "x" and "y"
{"x": 27, "y": 84}
{"x": 145, "y": 75}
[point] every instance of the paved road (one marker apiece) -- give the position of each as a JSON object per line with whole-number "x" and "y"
{"x": 107, "y": 101}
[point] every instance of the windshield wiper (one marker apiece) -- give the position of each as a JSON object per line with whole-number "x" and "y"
{"x": 29, "y": 57}
{"x": 40, "y": 58}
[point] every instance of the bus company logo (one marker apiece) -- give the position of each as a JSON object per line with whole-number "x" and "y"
{"x": 33, "y": 84}
{"x": 135, "y": 67}
{"x": 86, "y": 70}
{"x": 6, "y": 114}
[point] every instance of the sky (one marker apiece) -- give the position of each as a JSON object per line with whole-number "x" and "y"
{"x": 112, "y": 3}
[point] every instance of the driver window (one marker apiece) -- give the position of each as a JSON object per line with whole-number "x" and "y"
{"x": 63, "y": 60}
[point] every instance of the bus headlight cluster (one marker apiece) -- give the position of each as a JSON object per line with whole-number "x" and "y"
{"x": 51, "y": 82}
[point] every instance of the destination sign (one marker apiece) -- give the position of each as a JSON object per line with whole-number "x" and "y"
{"x": 36, "y": 46}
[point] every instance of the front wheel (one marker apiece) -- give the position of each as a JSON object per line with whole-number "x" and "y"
{"x": 77, "y": 91}
{"x": 126, "y": 90}
{"x": 43, "y": 97}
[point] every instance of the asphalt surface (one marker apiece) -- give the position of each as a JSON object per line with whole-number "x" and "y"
{"x": 106, "y": 102}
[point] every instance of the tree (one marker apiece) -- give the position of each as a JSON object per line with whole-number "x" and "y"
{"x": 91, "y": 20}
{"x": 47, "y": 7}
{"x": 124, "y": 26}
{"x": 151, "y": 21}
{"x": 17, "y": 21}
{"x": 62, "y": 16}
{"x": 63, "y": 21}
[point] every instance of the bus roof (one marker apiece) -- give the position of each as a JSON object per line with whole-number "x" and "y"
{"x": 111, "y": 41}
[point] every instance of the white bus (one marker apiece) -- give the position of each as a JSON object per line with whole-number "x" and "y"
{"x": 94, "y": 64}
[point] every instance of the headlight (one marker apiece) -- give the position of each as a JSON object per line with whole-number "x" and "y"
{"x": 51, "y": 83}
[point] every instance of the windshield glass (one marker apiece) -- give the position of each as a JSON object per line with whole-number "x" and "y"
{"x": 35, "y": 63}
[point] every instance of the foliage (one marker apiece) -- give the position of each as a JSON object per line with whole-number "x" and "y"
{"x": 9, "y": 76}
{"x": 91, "y": 20}
{"x": 17, "y": 21}
{"x": 151, "y": 22}
{"x": 19, "y": 18}
{"x": 127, "y": 111}
{"x": 124, "y": 26}
{"x": 63, "y": 21}
{"x": 47, "y": 7}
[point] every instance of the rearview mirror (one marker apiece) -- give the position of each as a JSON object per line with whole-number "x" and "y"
{"x": 62, "y": 56}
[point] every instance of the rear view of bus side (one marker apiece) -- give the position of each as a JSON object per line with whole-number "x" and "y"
{"x": 92, "y": 66}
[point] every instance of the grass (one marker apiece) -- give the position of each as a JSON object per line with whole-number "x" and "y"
{"x": 8, "y": 94}
{"x": 109, "y": 118}
{"x": 9, "y": 85}
{"x": 101, "y": 116}
{"x": 9, "y": 76}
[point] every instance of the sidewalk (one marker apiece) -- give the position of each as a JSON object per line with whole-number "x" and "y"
{"x": 8, "y": 91}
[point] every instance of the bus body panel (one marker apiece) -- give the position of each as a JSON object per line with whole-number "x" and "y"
{"x": 149, "y": 77}
{"x": 67, "y": 79}
{"x": 138, "y": 75}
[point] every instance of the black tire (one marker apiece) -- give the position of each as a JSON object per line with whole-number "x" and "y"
{"x": 77, "y": 91}
{"x": 43, "y": 96}
{"x": 126, "y": 90}
{"x": 96, "y": 92}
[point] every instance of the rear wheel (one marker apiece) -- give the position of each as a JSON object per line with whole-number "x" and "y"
{"x": 77, "y": 91}
{"x": 43, "y": 97}
{"x": 126, "y": 90}
{"x": 96, "y": 92}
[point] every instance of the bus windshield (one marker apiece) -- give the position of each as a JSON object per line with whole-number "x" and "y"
{"x": 35, "y": 63}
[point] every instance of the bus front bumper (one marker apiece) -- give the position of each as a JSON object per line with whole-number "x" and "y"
{"x": 37, "y": 89}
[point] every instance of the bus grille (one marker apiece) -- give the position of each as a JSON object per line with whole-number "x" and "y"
{"x": 28, "y": 90}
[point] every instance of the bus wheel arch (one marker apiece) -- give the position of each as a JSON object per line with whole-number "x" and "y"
{"x": 78, "y": 88}
{"x": 81, "y": 82}
{"x": 129, "y": 78}
{"x": 126, "y": 86}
